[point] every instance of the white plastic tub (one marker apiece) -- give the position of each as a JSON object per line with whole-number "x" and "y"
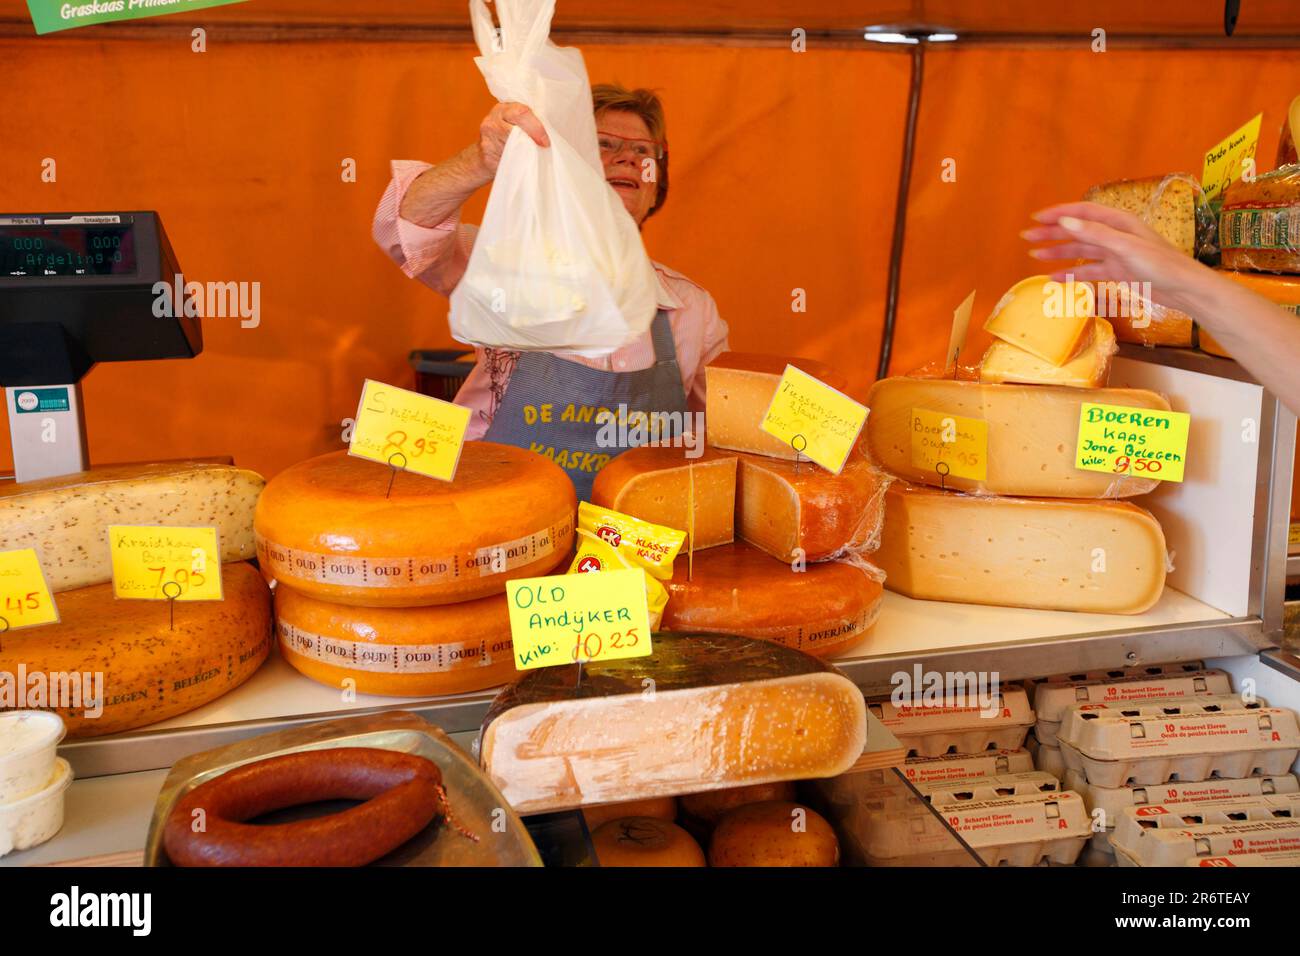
{"x": 28, "y": 741}
{"x": 37, "y": 817}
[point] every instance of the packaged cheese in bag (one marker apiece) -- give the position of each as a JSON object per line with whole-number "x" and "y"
{"x": 596, "y": 555}
{"x": 608, "y": 539}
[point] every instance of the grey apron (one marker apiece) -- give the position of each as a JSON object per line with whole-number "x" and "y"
{"x": 555, "y": 407}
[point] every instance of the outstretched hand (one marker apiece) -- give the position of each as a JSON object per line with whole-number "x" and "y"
{"x": 495, "y": 130}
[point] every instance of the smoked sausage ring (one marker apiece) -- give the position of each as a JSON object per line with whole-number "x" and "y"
{"x": 402, "y": 793}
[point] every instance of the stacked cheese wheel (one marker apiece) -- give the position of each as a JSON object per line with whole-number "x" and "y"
{"x": 111, "y": 665}
{"x": 797, "y": 575}
{"x": 395, "y": 581}
{"x": 1008, "y": 519}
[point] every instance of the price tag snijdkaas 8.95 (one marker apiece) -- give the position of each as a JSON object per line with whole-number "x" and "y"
{"x": 25, "y": 599}
{"x": 409, "y": 431}
{"x": 157, "y": 563}
{"x": 578, "y": 617}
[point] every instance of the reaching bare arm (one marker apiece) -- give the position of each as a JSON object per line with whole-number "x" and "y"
{"x": 443, "y": 189}
{"x": 1262, "y": 336}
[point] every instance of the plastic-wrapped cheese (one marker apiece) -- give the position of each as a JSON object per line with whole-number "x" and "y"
{"x": 66, "y": 519}
{"x": 785, "y": 508}
{"x": 1004, "y": 362}
{"x": 825, "y": 609}
{"x": 1099, "y": 556}
{"x": 1259, "y": 225}
{"x": 1136, "y": 318}
{"x": 351, "y": 531}
{"x": 1049, "y": 320}
{"x": 156, "y": 662}
{"x": 1033, "y": 433}
{"x": 1284, "y": 290}
{"x": 657, "y": 484}
{"x": 1165, "y": 203}
{"x": 400, "y": 651}
{"x": 740, "y": 389}
{"x": 702, "y": 712}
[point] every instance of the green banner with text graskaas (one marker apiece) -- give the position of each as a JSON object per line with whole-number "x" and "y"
{"x": 51, "y": 15}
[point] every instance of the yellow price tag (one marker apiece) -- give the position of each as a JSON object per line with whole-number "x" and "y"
{"x": 409, "y": 431}
{"x": 157, "y": 563}
{"x": 589, "y": 617}
{"x": 1293, "y": 538}
{"x": 25, "y": 599}
{"x": 814, "y": 419}
{"x": 1223, "y": 163}
{"x": 1146, "y": 442}
{"x": 950, "y": 444}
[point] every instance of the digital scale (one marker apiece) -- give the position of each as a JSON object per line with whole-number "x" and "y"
{"x": 76, "y": 289}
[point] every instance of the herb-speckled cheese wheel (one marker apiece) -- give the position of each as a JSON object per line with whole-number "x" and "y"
{"x": 401, "y": 651}
{"x": 332, "y": 527}
{"x": 152, "y": 669}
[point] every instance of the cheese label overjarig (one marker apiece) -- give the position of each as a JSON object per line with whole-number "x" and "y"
{"x": 409, "y": 431}
{"x": 1146, "y": 442}
{"x": 392, "y": 658}
{"x": 160, "y": 563}
{"x": 25, "y": 599}
{"x": 950, "y": 444}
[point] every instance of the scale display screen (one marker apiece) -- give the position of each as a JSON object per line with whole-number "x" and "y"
{"x": 67, "y": 250}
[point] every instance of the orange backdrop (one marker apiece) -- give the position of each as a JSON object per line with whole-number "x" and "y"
{"x": 784, "y": 174}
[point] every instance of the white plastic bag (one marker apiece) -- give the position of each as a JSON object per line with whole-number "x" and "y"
{"x": 558, "y": 263}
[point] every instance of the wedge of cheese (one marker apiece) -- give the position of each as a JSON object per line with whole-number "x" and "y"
{"x": 1100, "y": 556}
{"x": 154, "y": 662}
{"x": 703, "y": 712}
{"x": 1004, "y": 362}
{"x": 1284, "y": 290}
{"x": 1047, "y": 319}
{"x": 824, "y": 609}
{"x": 658, "y": 484}
{"x": 1165, "y": 203}
{"x": 1033, "y": 431}
{"x": 740, "y": 389}
{"x": 66, "y": 519}
{"x": 792, "y": 510}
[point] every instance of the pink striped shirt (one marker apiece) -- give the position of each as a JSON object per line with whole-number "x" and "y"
{"x": 438, "y": 255}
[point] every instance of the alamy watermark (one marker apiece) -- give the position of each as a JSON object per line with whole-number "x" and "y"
{"x": 44, "y": 690}
{"x": 210, "y": 300}
{"x": 972, "y": 690}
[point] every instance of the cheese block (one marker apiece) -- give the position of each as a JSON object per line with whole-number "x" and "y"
{"x": 774, "y": 833}
{"x": 702, "y": 712}
{"x": 1033, "y": 433}
{"x": 1050, "y": 320}
{"x": 1135, "y": 318}
{"x": 66, "y": 519}
{"x": 1165, "y": 203}
{"x": 399, "y": 651}
{"x": 1286, "y": 151}
{"x": 823, "y": 610}
{"x": 151, "y": 668}
{"x": 1021, "y": 552}
{"x": 353, "y": 531}
{"x": 740, "y": 386}
{"x": 1284, "y": 290}
{"x": 661, "y": 808}
{"x": 658, "y": 484}
{"x": 792, "y": 510}
{"x": 645, "y": 841}
{"x": 1259, "y": 225}
{"x": 1004, "y": 362}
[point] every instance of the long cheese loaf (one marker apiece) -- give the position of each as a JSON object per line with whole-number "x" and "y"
{"x": 1033, "y": 431}
{"x": 353, "y": 531}
{"x": 152, "y": 668}
{"x": 784, "y": 508}
{"x": 66, "y": 519}
{"x": 400, "y": 651}
{"x": 1102, "y": 556}
{"x": 703, "y": 712}
{"x": 1284, "y": 290}
{"x": 736, "y": 589}
{"x": 658, "y": 484}
{"x": 1259, "y": 225}
{"x": 740, "y": 386}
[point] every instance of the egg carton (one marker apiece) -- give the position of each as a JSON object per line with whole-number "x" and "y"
{"x": 1110, "y": 674}
{"x": 988, "y": 763}
{"x": 1052, "y": 700}
{"x": 1113, "y": 801}
{"x": 1170, "y": 834}
{"x": 1046, "y": 758}
{"x": 930, "y": 730}
{"x": 946, "y": 792}
{"x": 1152, "y": 742}
{"x": 1019, "y": 830}
{"x": 1268, "y": 858}
{"x": 1098, "y": 851}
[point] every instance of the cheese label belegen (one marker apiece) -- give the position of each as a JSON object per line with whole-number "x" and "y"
{"x": 1122, "y": 441}
{"x": 392, "y": 658}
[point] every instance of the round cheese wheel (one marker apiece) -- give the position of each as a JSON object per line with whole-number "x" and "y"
{"x": 708, "y": 808}
{"x": 353, "y": 531}
{"x": 645, "y": 841}
{"x": 401, "y": 651}
{"x": 823, "y": 610}
{"x": 154, "y": 661}
{"x": 773, "y": 833}
{"x": 661, "y": 808}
